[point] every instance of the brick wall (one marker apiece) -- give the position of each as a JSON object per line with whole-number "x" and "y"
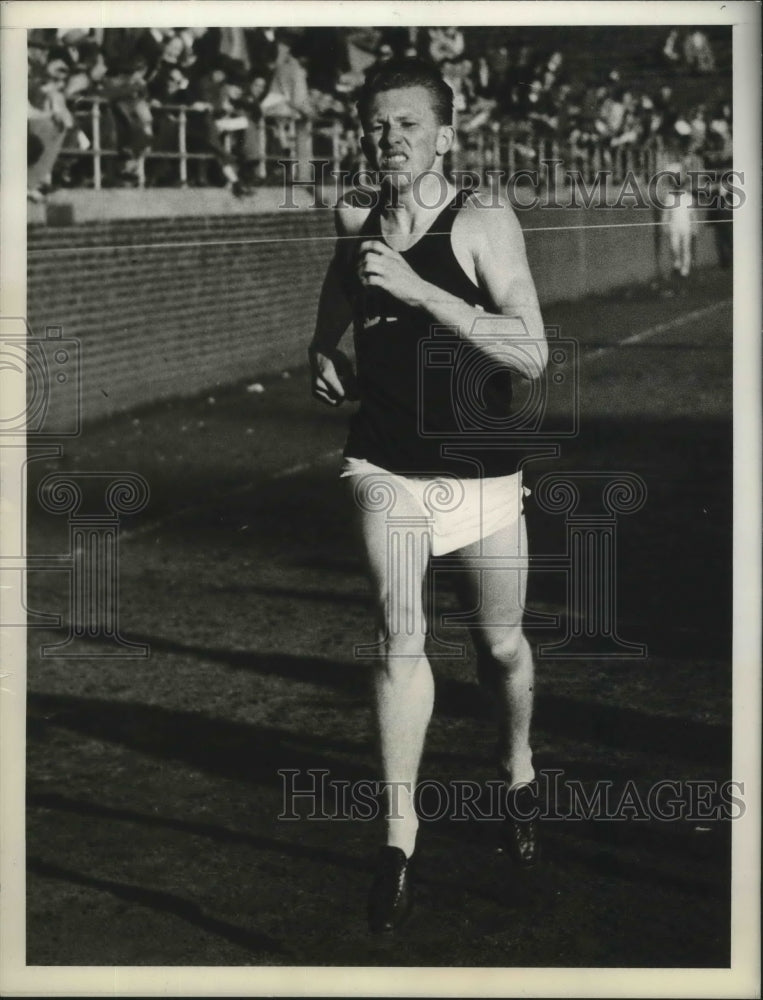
{"x": 166, "y": 307}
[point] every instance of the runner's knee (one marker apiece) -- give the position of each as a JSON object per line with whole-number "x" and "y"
{"x": 507, "y": 649}
{"x": 402, "y": 628}
{"x": 401, "y": 645}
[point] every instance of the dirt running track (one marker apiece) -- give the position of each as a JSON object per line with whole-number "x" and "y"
{"x": 153, "y": 791}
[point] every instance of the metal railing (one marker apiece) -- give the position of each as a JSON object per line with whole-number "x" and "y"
{"x": 276, "y": 138}
{"x": 493, "y": 146}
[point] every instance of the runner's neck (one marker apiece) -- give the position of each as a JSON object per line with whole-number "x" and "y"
{"x": 412, "y": 212}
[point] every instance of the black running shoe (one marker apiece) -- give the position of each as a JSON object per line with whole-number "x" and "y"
{"x": 521, "y": 829}
{"x": 390, "y": 899}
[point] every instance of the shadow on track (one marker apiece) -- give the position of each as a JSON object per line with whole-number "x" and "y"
{"x": 163, "y": 902}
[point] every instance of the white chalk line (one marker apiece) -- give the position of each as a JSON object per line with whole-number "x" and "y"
{"x": 654, "y": 331}
{"x": 293, "y": 470}
{"x": 332, "y": 238}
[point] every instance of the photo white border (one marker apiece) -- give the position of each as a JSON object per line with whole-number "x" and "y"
{"x": 743, "y": 979}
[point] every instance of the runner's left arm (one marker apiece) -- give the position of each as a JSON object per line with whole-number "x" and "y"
{"x": 513, "y": 333}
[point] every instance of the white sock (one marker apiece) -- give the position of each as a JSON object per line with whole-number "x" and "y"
{"x": 402, "y": 821}
{"x": 520, "y": 771}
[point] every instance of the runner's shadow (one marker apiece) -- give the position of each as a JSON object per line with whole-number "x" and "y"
{"x": 164, "y": 902}
{"x": 603, "y": 725}
{"x": 599, "y": 724}
{"x": 243, "y": 752}
{"x": 431, "y": 875}
{"x": 345, "y": 676}
{"x": 218, "y": 834}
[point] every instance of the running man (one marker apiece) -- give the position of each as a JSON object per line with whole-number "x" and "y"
{"x": 426, "y": 257}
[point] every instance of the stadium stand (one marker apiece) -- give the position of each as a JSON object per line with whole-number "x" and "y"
{"x": 210, "y": 106}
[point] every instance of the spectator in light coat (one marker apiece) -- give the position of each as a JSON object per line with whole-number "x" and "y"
{"x": 49, "y": 119}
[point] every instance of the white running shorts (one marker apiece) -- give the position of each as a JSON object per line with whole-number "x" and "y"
{"x": 460, "y": 511}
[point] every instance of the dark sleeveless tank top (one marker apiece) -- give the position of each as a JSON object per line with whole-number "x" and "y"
{"x": 430, "y": 400}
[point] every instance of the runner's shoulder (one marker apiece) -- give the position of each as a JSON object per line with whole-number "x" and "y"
{"x": 487, "y": 217}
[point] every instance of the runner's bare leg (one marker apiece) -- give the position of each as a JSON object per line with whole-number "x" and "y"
{"x": 397, "y": 558}
{"x": 505, "y": 661}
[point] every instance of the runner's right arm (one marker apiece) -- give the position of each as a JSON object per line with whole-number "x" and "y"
{"x": 333, "y": 379}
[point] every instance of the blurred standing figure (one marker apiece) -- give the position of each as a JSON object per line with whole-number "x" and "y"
{"x": 289, "y": 98}
{"x": 289, "y": 80}
{"x": 679, "y": 217}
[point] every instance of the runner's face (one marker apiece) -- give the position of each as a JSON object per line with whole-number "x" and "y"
{"x": 401, "y": 135}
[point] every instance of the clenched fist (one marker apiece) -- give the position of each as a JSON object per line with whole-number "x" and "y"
{"x": 382, "y": 267}
{"x": 333, "y": 378}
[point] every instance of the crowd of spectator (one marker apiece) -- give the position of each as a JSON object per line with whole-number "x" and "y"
{"x": 225, "y": 79}
{"x": 238, "y": 85}
{"x": 535, "y": 97}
